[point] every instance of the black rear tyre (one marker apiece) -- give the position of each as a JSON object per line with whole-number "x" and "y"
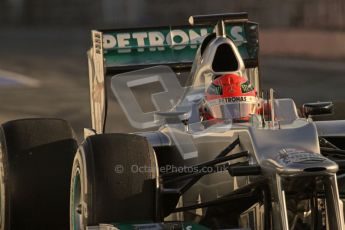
{"x": 114, "y": 179}
{"x": 36, "y": 157}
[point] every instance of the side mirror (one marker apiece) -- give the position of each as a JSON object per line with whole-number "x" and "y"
{"x": 317, "y": 108}
{"x": 172, "y": 117}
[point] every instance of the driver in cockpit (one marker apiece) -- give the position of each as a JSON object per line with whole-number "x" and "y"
{"x": 229, "y": 97}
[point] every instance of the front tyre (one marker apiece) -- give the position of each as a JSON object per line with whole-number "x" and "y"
{"x": 36, "y": 157}
{"x": 105, "y": 188}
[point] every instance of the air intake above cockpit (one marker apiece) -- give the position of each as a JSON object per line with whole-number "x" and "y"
{"x": 225, "y": 59}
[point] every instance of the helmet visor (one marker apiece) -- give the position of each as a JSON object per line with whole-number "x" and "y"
{"x": 232, "y": 110}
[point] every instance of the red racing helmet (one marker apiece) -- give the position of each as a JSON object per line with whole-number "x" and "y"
{"x": 230, "y": 97}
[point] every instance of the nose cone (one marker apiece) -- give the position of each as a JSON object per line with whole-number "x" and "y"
{"x": 292, "y": 161}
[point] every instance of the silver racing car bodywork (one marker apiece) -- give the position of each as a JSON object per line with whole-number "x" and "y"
{"x": 289, "y": 156}
{"x": 278, "y": 176}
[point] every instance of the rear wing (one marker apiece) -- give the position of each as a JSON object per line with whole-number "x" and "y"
{"x": 122, "y": 50}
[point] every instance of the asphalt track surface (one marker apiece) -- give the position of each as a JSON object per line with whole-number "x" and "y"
{"x": 43, "y": 73}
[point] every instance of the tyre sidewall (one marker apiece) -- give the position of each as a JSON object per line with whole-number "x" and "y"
{"x": 79, "y": 169}
{"x": 4, "y": 201}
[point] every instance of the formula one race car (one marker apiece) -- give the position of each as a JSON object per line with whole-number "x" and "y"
{"x": 221, "y": 153}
